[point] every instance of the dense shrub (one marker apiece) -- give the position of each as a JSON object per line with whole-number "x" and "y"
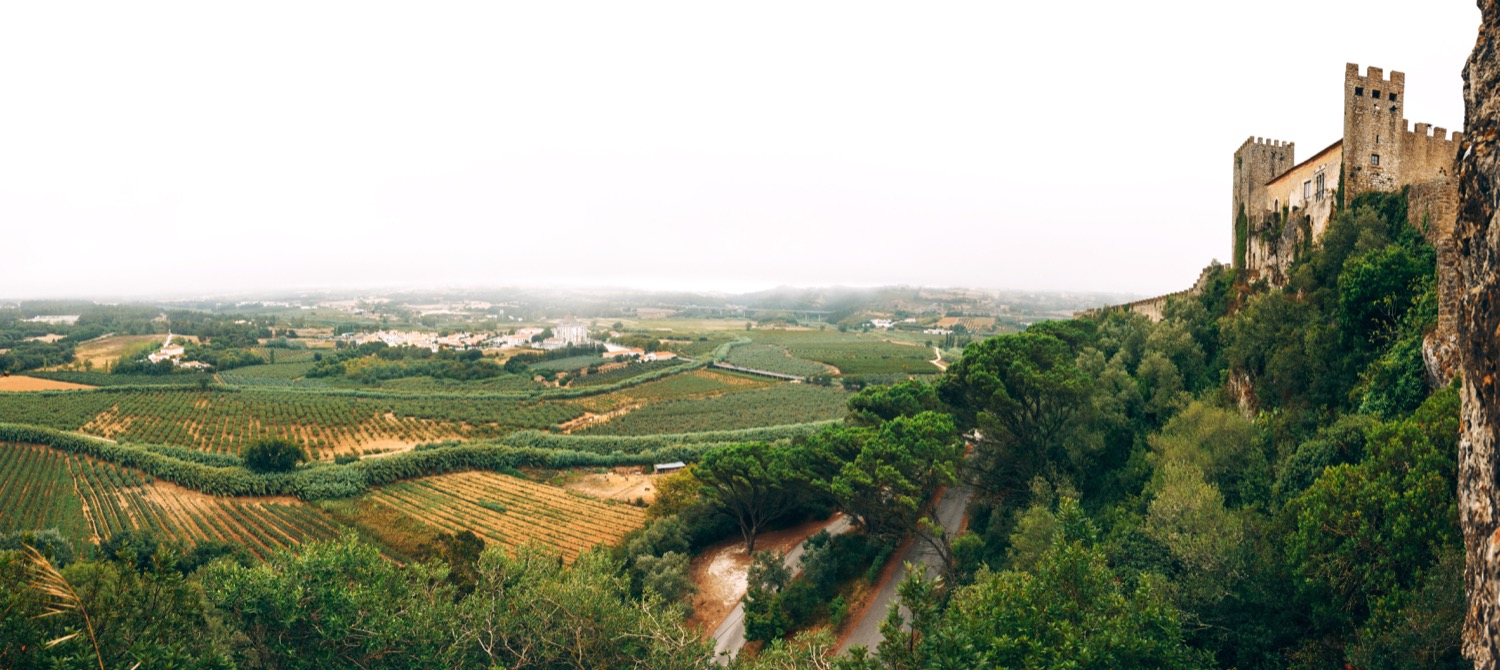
{"x": 273, "y": 455}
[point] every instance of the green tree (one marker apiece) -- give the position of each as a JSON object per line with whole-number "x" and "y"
{"x": 1363, "y": 535}
{"x": 273, "y": 455}
{"x": 1030, "y": 404}
{"x": 756, "y": 483}
{"x": 896, "y": 468}
{"x": 875, "y": 404}
{"x": 1071, "y": 612}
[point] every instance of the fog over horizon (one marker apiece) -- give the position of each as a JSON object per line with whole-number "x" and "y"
{"x": 182, "y": 149}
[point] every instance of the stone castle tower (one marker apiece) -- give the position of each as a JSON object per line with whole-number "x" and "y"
{"x": 1279, "y": 204}
{"x": 1372, "y": 130}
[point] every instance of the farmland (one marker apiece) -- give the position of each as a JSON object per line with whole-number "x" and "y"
{"x": 223, "y": 422}
{"x": 88, "y": 499}
{"x": 19, "y": 383}
{"x": 506, "y": 510}
{"x": 774, "y": 358}
{"x": 174, "y": 469}
{"x": 773, "y": 405}
{"x": 850, "y": 353}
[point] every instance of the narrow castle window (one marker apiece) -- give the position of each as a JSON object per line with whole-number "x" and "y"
{"x": 1375, "y": 159}
{"x": 1375, "y": 94}
{"x": 1322, "y": 185}
{"x": 1307, "y": 190}
{"x": 1393, "y": 97}
{"x": 1393, "y": 109}
{"x": 1359, "y": 90}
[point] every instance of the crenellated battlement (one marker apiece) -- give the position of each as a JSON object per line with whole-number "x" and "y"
{"x": 1253, "y": 141}
{"x": 1374, "y": 76}
{"x": 1424, "y": 132}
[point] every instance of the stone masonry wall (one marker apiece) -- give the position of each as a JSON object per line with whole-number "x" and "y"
{"x": 1432, "y": 207}
{"x": 1477, "y": 242}
{"x": 1373, "y": 126}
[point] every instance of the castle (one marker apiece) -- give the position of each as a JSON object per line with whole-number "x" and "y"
{"x": 1279, "y": 205}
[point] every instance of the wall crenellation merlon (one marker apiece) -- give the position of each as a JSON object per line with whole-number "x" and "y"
{"x": 1267, "y": 142}
{"x": 1423, "y": 132}
{"x": 1374, "y": 76}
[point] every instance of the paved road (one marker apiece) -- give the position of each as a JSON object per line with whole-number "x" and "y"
{"x": 950, "y": 512}
{"x": 730, "y": 635}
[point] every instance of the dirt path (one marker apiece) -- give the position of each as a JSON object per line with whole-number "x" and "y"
{"x": 939, "y": 362}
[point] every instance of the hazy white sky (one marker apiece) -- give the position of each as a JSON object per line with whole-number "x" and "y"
{"x": 198, "y": 147}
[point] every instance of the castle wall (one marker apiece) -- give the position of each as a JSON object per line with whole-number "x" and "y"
{"x": 1432, "y": 207}
{"x": 1428, "y": 153}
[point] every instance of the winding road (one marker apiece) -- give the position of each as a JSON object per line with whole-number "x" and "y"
{"x": 950, "y": 512}
{"x": 729, "y": 637}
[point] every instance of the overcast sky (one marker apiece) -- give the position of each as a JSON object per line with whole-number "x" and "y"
{"x": 1086, "y": 145}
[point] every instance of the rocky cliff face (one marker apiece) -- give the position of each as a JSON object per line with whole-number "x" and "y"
{"x": 1477, "y": 242}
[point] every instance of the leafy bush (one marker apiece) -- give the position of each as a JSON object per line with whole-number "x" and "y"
{"x": 273, "y": 455}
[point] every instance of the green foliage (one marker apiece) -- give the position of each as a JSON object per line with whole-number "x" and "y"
{"x": 888, "y": 472}
{"x": 756, "y": 483}
{"x": 273, "y": 455}
{"x": 1364, "y": 532}
{"x": 1030, "y": 403}
{"x": 773, "y": 358}
{"x": 1241, "y": 237}
{"x": 1072, "y": 612}
{"x": 1222, "y": 446}
{"x": 875, "y": 404}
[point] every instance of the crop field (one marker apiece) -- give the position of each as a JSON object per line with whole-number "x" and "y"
{"x": 569, "y": 363}
{"x": 504, "y": 510}
{"x": 36, "y": 491}
{"x": 774, "y": 358}
{"x": 278, "y": 355}
{"x": 694, "y": 384}
{"x": 277, "y": 375}
{"x": 770, "y": 405}
{"x": 225, "y": 421}
{"x": 90, "y": 500}
{"x": 851, "y": 353}
{"x": 620, "y": 374}
{"x": 501, "y": 384}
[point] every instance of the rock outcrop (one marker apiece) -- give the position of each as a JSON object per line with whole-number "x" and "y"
{"x": 1477, "y": 242}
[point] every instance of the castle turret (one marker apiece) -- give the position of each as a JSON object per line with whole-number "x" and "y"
{"x": 1374, "y": 131}
{"x": 1256, "y": 163}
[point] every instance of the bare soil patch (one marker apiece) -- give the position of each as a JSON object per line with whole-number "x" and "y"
{"x": 721, "y": 571}
{"x": 22, "y": 383}
{"x": 591, "y": 419}
{"x": 616, "y": 486}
